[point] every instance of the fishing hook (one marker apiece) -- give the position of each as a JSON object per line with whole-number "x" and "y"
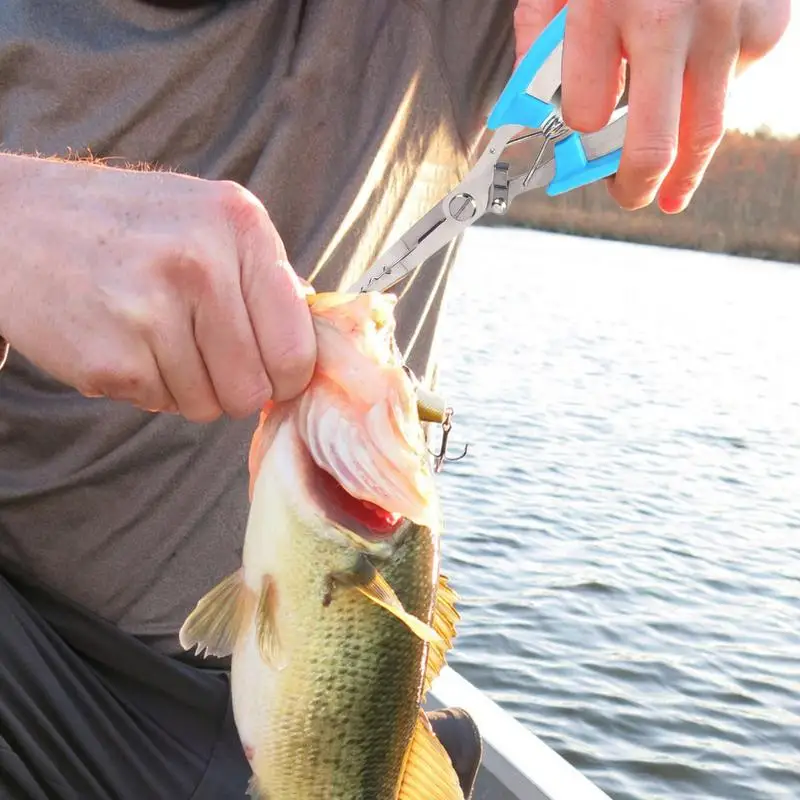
{"x": 441, "y": 458}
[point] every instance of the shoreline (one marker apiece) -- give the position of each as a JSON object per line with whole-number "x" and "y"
{"x": 748, "y": 205}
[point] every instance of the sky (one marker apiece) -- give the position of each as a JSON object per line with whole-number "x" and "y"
{"x": 767, "y": 94}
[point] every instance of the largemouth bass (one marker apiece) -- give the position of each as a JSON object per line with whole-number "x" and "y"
{"x": 338, "y": 619}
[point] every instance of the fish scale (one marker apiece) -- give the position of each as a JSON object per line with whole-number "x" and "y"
{"x": 365, "y": 669}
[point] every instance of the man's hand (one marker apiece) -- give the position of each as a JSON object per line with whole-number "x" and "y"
{"x": 682, "y": 56}
{"x": 167, "y": 291}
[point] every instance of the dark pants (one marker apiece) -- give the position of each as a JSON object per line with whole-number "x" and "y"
{"x": 87, "y": 713}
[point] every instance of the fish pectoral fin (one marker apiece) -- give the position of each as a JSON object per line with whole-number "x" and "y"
{"x": 428, "y": 772}
{"x": 214, "y": 624}
{"x": 379, "y": 591}
{"x": 444, "y": 621}
{"x": 253, "y": 792}
{"x": 269, "y": 643}
{"x": 367, "y": 580}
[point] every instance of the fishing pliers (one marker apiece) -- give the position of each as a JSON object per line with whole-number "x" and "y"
{"x": 528, "y": 110}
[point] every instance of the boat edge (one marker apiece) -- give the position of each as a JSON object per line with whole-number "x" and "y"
{"x": 516, "y": 759}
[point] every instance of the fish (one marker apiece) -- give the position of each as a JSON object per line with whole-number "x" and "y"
{"x": 339, "y": 618}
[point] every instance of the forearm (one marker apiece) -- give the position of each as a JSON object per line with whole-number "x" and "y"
{"x": 9, "y": 176}
{"x": 7, "y": 168}
{"x": 16, "y": 174}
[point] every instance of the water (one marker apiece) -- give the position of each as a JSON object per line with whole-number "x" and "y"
{"x": 625, "y": 533}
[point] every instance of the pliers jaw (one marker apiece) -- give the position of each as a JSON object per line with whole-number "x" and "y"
{"x": 528, "y": 108}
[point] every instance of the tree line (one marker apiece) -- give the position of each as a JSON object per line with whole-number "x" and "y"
{"x": 748, "y": 204}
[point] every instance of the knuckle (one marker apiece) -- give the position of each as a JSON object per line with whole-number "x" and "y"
{"x": 654, "y": 158}
{"x": 665, "y": 13}
{"x": 684, "y": 183}
{"x": 201, "y": 414}
{"x": 257, "y": 241}
{"x": 292, "y": 367}
{"x": 141, "y": 312}
{"x": 132, "y": 311}
{"x": 706, "y": 137}
{"x": 189, "y": 272}
{"x": 128, "y": 386}
{"x": 249, "y": 399}
{"x": 241, "y": 208}
{"x": 593, "y": 10}
{"x": 762, "y": 31}
{"x": 169, "y": 262}
{"x": 114, "y": 379}
{"x": 526, "y": 14}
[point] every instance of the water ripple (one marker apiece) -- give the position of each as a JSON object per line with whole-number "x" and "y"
{"x": 624, "y": 533}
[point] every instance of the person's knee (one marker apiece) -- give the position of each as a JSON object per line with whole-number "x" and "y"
{"x": 459, "y": 735}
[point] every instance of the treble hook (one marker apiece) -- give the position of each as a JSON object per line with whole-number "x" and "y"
{"x": 441, "y": 458}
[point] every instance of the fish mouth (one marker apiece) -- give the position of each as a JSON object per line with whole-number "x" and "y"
{"x": 367, "y": 520}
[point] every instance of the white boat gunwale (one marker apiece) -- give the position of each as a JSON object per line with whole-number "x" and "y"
{"x": 516, "y": 765}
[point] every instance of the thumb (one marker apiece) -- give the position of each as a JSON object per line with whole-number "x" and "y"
{"x": 531, "y": 17}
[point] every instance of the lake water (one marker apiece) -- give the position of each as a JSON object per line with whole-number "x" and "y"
{"x": 625, "y": 531}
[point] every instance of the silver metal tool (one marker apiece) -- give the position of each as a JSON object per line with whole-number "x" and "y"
{"x": 529, "y": 108}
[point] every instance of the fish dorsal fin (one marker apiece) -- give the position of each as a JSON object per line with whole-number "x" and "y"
{"x": 214, "y": 624}
{"x": 379, "y": 591}
{"x": 444, "y": 621}
{"x": 428, "y": 773}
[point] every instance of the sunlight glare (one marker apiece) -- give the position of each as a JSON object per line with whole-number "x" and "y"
{"x": 766, "y": 94}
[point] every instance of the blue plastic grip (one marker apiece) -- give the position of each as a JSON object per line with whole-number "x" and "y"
{"x": 574, "y": 170}
{"x": 516, "y": 107}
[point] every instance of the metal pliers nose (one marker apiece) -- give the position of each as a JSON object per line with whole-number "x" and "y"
{"x": 528, "y": 108}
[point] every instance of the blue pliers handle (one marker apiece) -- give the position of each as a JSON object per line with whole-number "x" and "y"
{"x": 528, "y": 108}
{"x": 527, "y": 100}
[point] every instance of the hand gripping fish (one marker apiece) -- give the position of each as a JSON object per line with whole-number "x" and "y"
{"x": 338, "y": 620}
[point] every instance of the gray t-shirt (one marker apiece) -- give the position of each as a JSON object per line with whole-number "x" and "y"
{"x": 348, "y": 118}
